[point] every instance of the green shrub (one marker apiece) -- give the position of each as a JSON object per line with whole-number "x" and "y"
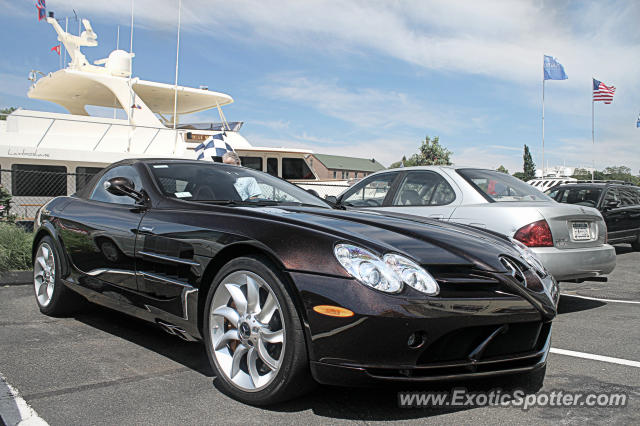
{"x": 15, "y": 247}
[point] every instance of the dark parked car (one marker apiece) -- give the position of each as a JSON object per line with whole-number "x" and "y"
{"x": 285, "y": 290}
{"x": 618, "y": 203}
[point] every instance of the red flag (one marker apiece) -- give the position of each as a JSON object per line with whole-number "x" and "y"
{"x": 56, "y": 49}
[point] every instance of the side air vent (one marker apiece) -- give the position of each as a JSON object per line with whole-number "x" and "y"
{"x": 515, "y": 270}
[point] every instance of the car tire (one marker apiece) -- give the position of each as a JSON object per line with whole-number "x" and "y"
{"x": 52, "y": 296}
{"x": 636, "y": 244}
{"x": 246, "y": 336}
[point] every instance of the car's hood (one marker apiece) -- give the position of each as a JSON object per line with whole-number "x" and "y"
{"x": 430, "y": 242}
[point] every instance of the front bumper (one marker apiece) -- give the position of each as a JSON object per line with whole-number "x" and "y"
{"x": 568, "y": 264}
{"x": 470, "y": 330}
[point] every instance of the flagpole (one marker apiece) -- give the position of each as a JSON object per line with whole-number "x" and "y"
{"x": 593, "y": 136}
{"x": 543, "y": 125}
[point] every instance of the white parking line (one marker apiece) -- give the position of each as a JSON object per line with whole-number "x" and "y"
{"x": 601, "y": 300}
{"x": 595, "y": 357}
{"x": 14, "y": 410}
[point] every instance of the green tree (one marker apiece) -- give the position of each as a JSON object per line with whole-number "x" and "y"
{"x": 430, "y": 153}
{"x": 502, "y": 169}
{"x": 529, "y": 167}
{"x": 519, "y": 175}
{"x": 6, "y": 111}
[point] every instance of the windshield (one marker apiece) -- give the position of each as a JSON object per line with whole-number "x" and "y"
{"x": 501, "y": 187}
{"x": 225, "y": 184}
{"x": 583, "y": 196}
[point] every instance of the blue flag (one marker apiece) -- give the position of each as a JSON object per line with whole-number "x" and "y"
{"x": 553, "y": 70}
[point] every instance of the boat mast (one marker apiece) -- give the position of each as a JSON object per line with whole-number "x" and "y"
{"x": 175, "y": 84}
{"x": 131, "y": 95}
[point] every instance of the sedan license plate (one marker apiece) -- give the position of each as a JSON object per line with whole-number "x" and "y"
{"x": 581, "y": 231}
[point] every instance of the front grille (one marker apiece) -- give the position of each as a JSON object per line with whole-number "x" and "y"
{"x": 519, "y": 346}
{"x": 458, "y": 344}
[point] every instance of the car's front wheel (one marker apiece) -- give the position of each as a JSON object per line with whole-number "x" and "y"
{"x": 253, "y": 334}
{"x": 52, "y": 296}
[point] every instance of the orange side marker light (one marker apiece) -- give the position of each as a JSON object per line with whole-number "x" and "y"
{"x": 333, "y": 311}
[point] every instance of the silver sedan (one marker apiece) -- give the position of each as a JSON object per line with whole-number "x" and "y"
{"x": 569, "y": 240}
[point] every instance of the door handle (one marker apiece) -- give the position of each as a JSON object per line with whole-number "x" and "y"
{"x": 146, "y": 229}
{"x": 436, "y": 216}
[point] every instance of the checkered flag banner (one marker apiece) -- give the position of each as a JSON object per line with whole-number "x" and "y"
{"x": 214, "y": 146}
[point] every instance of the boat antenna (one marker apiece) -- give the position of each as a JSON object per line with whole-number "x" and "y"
{"x": 175, "y": 85}
{"x": 131, "y": 94}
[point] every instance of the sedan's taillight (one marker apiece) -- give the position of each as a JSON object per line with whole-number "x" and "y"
{"x": 536, "y": 234}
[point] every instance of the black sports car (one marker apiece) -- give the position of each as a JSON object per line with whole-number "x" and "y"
{"x": 284, "y": 289}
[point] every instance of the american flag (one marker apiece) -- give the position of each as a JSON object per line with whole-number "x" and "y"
{"x": 602, "y": 92}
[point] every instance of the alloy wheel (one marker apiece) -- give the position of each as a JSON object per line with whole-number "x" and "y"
{"x": 44, "y": 274}
{"x": 247, "y": 331}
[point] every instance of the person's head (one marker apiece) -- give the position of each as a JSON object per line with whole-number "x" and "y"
{"x": 231, "y": 157}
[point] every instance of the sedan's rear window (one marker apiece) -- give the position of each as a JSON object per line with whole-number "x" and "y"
{"x": 501, "y": 187}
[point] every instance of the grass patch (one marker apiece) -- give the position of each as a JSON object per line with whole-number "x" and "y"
{"x": 15, "y": 248}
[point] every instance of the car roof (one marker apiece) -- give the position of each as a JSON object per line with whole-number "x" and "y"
{"x": 593, "y": 185}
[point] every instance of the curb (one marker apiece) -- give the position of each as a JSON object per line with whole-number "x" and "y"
{"x": 16, "y": 278}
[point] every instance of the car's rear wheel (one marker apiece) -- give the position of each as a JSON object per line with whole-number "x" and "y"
{"x": 253, "y": 334}
{"x": 636, "y": 244}
{"x": 52, "y": 296}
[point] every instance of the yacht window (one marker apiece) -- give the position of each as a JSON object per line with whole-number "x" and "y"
{"x": 296, "y": 168}
{"x": 84, "y": 176}
{"x": 101, "y": 194}
{"x": 272, "y": 166}
{"x": 33, "y": 180}
{"x": 252, "y": 162}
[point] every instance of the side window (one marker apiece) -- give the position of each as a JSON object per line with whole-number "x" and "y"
{"x": 32, "y": 180}
{"x": 272, "y": 166}
{"x": 101, "y": 194}
{"x": 295, "y": 168}
{"x": 370, "y": 193}
{"x": 611, "y": 195}
{"x": 628, "y": 197}
{"x": 424, "y": 189}
{"x": 554, "y": 194}
{"x": 252, "y": 162}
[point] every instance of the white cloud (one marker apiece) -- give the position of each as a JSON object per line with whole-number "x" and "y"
{"x": 365, "y": 107}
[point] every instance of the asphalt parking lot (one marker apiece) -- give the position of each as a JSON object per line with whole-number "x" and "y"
{"x": 101, "y": 367}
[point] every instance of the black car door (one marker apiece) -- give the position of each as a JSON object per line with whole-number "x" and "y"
{"x": 613, "y": 215}
{"x": 99, "y": 234}
{"x": 631, "y": 218}
{"x": 169, "y": 255}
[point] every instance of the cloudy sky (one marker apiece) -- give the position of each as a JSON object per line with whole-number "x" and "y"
{"x": 372, "y": 78}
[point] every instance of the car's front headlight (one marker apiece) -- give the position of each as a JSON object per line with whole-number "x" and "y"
{"x": 529, "y": 256}
{"x": 386, "y": 274}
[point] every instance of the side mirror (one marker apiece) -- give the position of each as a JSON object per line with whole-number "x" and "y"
{"x": 331, "y": 198}
{"x": 122, "y": 186}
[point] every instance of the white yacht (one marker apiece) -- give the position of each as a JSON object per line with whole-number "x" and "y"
{"x": 37, "y": 148}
